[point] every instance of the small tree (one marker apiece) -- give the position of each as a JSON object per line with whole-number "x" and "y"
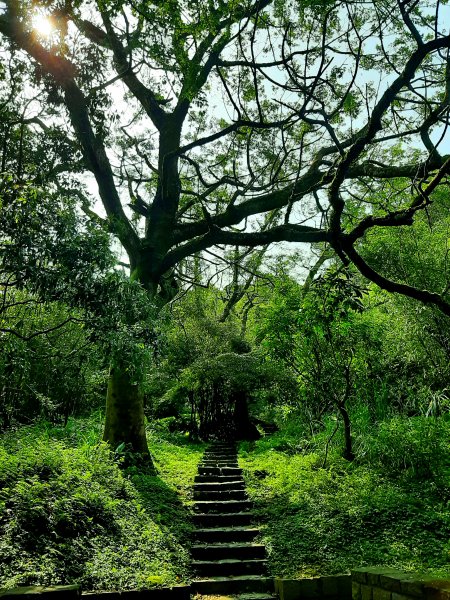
{"x": 220, "y": 390}
{"x": 318, "y": 333}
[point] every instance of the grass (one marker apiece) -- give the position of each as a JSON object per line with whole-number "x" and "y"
{"x": 69, "y": 514}
{"x": 388, "y": 508}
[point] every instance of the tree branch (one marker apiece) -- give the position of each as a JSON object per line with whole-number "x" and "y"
{"x": 93, "y": 150}
{"x": 391, "y": 286}
{"x": 280, "y": 233}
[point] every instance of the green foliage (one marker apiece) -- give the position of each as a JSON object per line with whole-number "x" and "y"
{"x": 51, "y": 375}
{"x": 220, "y": 387}
{"x": 417, "y": 448}
{"x": 69, "y": 514}
{"x": 45, "y": 243}
{"x": 388, "y": 508}
{"x": 52, "y": 258}
{"x": 239, "y": 372}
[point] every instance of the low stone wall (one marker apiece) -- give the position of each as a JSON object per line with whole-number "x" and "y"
{"x": 71, "y": 592}
{"x": 375, "y": 583}
{"x": 369, "y": 583}
{"x": 333, "y": 587}
{"x": 59, "y": 592}
{"x": 378, "y": 583}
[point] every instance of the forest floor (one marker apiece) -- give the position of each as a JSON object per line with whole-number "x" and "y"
{"x": 69, "y": 513}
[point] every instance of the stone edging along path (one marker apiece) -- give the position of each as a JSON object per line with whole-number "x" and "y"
{"x": 375, "y": 583}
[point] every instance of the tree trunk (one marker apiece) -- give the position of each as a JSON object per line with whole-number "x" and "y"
{"x": 244, "y": 428}
{"x": 348, "y": 448}
{"x": 124, "y": 421}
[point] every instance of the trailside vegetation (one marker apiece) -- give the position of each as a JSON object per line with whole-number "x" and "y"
{"x": 233, "y": 218}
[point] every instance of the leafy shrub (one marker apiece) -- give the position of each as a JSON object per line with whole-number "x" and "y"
{"x": 417, "y": 446}
{"x": 389, "y": 507}
{"x": 68, "y": 514}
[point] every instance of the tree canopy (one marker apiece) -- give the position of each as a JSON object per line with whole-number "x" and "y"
{"x": 207, "y": 125}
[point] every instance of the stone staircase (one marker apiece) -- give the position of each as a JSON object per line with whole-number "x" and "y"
{"x": 226, "y": 559}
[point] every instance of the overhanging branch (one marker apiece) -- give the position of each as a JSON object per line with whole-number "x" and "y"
{"x": 424, "y": 296}
{"x": 280, "y": 233}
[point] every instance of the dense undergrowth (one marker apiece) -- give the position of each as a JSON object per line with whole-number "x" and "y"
{"x": 389, "y": 507}
{"x": 69, "y": 514}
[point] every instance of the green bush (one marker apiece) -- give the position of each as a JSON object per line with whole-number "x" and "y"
{"x": 69, "y": 514}
{"x": 389, "y": 507}
{"x": 418, "y": 447}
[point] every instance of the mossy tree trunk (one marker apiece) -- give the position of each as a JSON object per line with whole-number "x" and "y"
{"x": 125, "y": 401}
{"x": 124, "y": 421}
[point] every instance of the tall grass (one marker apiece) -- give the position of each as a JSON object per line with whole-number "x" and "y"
{"x": 69, "y": 514}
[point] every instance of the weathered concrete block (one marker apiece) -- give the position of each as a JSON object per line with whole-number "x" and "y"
{"x": 396, "y": 596}
{"x": 344, "y": 586}
{"x": 60, "y": 592}
{"x": 309, "y": 588}
{"x": 411, "y": 586}
{"x": 288, "y": 589}
{"x": 315, "y": 588}
{"x": 437, "y": 589}
{"x": 366, "y": 592}
{"x": 390, "y": 581}
{"x": 294, "y": 589}
{"x": 378, "y": 576}
{"x": 330, "y": 586}
{"x": 356, "y": 590}
{"x": 359, "y": 575}
{"x": 380, "y": 594}
{"x": 373, "y": 577}
{"x": 339, "y": 586}
{"x": 179, "y": 592}
{"x": 278, "y": 587}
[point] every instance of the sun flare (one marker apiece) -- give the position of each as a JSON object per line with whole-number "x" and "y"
{"x": 43, "y": 25}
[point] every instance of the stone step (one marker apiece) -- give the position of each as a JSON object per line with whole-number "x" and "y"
{"x": 246, "y": 596}
{"x": 236, "y": 551}
{"x": 222, "y": 520}
{"x": 239, "y": 596}
{"x": 233, "y": 585}
{"x": 227, "y": 459}
{"x": 219, "y": 454}
{"x": 222, "y": 444}
{"x": 229, "y": 567}
{"x": 226, "y": 534}
{"x": 222, "y": 506}
{"x": 219, "y": 470}
{"x": 214, "y": 465}
{"x": 222, "y": 462}
{"x": 217, "y": 478}
{"x": 236, "y": 484}
{"x": 220, "y": 494}
{"x": 225, "y": 454}
{"x": 219, "y": 463}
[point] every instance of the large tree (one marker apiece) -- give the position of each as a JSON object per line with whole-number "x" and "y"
{"x": 236, "y": 123}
